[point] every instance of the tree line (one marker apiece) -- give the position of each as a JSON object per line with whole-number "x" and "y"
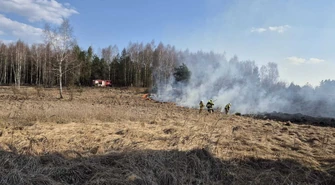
{"x": 60, "y": 61}
{"x": 133, "y": 66}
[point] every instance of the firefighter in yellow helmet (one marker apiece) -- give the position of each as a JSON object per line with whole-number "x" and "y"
{"x": 210, "y": 105}
{"x": 227, "y": 107}
{"x": 201, "y": 105}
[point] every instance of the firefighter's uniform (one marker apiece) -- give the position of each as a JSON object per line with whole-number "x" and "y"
{"x": 209, "y": 106}
{"x": 227, "y": 107}
{"x": 201, "y": 105}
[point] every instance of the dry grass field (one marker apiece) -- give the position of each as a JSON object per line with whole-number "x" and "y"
{"x": 114, "y": 136}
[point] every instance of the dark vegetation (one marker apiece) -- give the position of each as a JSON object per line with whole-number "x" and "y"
{"x": 295, "y": 118}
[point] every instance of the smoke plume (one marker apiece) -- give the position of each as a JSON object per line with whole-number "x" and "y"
{"x": 249, "y": 88}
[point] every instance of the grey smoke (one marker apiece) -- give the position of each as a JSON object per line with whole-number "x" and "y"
{"x": 250, "y": 88}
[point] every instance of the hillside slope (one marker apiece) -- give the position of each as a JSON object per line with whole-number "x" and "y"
{"x": 114, "y": 136}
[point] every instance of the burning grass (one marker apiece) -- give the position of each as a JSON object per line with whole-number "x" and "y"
{"x": 114, "y": 136}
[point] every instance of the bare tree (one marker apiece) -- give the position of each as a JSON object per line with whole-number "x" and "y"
{"x": 36, "y": 55}
{"x": 3, "y": 63}
{"x": 11, "y": 56}
{"x": 148, "y": 57}
{"x": 76, "y": 59}
{"x": 134, "y": 51}
{"x": 108, "y": 54}
{"x": 159, "y": 64}
{"x": 269, "y": 75}
{"x": 20, "y": 58}
{"x": 170, "y": 61}
{"x": 48, "y": 73}
{"x": 61, "y": 41}
{"x": 115, "y": 51}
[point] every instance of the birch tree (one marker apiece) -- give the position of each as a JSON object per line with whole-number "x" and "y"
{"x": 3, "y": 63}
{"x": 20, "y": 57}
{"x": 148, "y": 58}
{"x": 61, "y": 41}
{"x": 36, "y": 67}
{"x": 108, "y": 54}
{"x": 133, "y": 50}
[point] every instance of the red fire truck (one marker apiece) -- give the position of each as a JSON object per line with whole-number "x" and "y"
{"x": 102, "y": 83}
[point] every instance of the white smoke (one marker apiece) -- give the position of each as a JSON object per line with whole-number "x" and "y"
{"x": 247, "y": 87}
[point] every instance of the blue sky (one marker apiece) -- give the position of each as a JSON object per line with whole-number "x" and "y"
{"x": 296, "y": 34}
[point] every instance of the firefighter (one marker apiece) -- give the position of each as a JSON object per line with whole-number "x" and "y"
{"x": 209, "y": 106}
{"x": 227, "y": 107}
{"x": 201, "y": 105}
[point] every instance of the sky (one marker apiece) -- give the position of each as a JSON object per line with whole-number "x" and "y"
{"x": 298, "y": 35}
